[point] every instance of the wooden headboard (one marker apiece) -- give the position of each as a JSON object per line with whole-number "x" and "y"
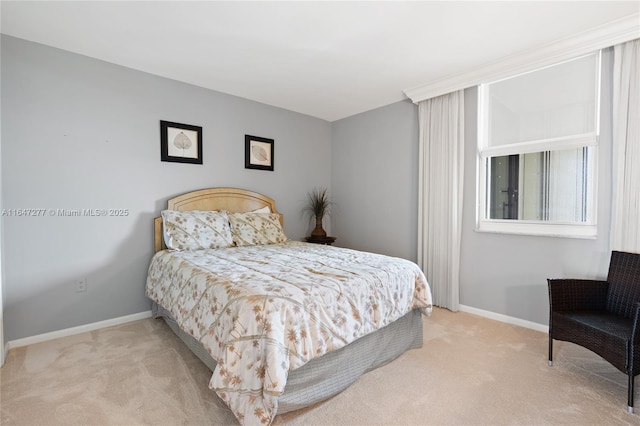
{"x": 233, "y": 200}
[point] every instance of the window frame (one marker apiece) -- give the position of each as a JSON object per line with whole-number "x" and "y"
{"x": 485, "y": 153}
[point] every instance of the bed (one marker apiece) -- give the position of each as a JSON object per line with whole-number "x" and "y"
{"x": 281, "y": 324}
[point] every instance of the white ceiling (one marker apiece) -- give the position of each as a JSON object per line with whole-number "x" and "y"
{"x": 326, "y": 59}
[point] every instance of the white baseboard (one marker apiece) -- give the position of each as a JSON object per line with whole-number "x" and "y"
{"x": 147, "y": 314}
{"x": 77, "y": 330}
{"x": 505, "y": 318}
{"x": 5, "y": 352}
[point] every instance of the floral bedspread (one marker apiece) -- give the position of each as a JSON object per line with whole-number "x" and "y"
{"x": 261, "y": 311}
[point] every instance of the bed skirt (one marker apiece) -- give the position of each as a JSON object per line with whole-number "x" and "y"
{"x": 330, "y": 374}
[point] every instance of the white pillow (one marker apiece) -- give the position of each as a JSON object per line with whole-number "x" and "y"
{"x": 196, "y": 229}
{"x": 265, "y": 209}
{"x": 250, "y": 229}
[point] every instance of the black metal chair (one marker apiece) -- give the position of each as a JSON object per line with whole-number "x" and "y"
{"x": 601, "y": 316}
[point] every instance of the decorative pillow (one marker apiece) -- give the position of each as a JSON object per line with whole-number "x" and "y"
{"x": 196, "y": 230}
{"x": 251, "y": 229}
{"x": 265, "y": 209}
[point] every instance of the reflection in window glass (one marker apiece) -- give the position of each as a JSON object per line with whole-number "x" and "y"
{"x": 540, "y": 186}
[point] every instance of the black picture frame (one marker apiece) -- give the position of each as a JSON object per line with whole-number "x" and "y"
{"x": 258, "y": 153}
{"x": 175, "y": 137}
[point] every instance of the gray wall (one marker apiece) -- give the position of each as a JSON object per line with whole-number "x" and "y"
{"x": 374, "y": 180}
{"x": 375, "y": 165}
{"x": 81, "y": 133}
{"x": 507, "y": 274}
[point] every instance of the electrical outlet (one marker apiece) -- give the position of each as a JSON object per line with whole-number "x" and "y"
{"x": 81, "y": 285}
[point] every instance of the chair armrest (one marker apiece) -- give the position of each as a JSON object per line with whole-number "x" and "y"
{"x": 577, "y": 295}
{"x": 635, "y": 334}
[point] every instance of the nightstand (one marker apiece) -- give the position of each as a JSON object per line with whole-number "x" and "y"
{"x": 320, "y": 240}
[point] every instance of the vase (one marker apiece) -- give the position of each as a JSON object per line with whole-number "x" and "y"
{"x": 318, "y": 231}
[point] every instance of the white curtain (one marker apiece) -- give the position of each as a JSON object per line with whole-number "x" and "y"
{"x": 440, "y": 195}
{"x": 625, "y": 225}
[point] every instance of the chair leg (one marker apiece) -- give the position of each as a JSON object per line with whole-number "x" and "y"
{"x": 550, "y": 350}
{"x": 631, "y": 391}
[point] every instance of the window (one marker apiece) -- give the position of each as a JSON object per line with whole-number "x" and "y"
{"x": 537, "y": 142}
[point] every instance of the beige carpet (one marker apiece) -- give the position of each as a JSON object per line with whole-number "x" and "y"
{"x": 470, "y": 371}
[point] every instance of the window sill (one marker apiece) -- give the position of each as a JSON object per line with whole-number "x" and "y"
{"x": 541, "y": 229}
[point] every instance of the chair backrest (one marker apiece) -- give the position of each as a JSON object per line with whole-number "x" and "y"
{"x": 624, "y": 283}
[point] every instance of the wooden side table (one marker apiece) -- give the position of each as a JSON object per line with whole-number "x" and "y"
{"x": 320, "y": 240}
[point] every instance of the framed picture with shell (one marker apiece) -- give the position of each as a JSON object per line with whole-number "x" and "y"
{"x": 258, "y": 153}
{"x": 180, "y": 143}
